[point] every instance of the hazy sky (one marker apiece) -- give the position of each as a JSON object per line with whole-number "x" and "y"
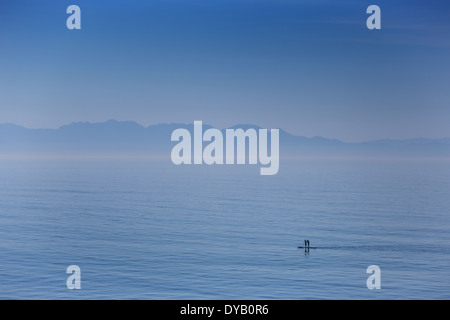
{"x": 310, "y": 67}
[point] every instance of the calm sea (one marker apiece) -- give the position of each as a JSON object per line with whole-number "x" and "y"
{"x": 147, "y": 229}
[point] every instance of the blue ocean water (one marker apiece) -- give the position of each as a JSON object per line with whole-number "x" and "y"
{"x": 147, "y": 229}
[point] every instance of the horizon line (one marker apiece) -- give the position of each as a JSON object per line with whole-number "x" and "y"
{"x": 229, "y": 127}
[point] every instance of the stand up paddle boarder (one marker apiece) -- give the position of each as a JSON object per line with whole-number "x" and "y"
{"x": 306, "y": 245}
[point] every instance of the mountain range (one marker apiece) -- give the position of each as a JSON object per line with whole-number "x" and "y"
{"x": 127, "y": 137}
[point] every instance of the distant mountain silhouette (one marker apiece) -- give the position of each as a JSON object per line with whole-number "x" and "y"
{"x": 126, "y": 137}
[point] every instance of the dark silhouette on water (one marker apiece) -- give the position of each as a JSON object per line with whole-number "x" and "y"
{"x": 306, "y": 246}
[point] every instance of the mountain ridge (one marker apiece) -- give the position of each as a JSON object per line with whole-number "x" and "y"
{"x": 129, "y": 137}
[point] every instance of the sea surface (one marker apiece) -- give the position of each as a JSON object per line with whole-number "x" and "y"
{"x": 146, "y": 229}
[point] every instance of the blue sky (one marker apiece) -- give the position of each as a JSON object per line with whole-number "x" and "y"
{"x": 310, "y": 67}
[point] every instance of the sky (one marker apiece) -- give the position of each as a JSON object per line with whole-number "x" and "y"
{"x": 310, "y": 67}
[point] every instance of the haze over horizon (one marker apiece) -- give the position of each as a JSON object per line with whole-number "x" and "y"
{"x": 311, "y": 68}
{"x": 206, "y": 125}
